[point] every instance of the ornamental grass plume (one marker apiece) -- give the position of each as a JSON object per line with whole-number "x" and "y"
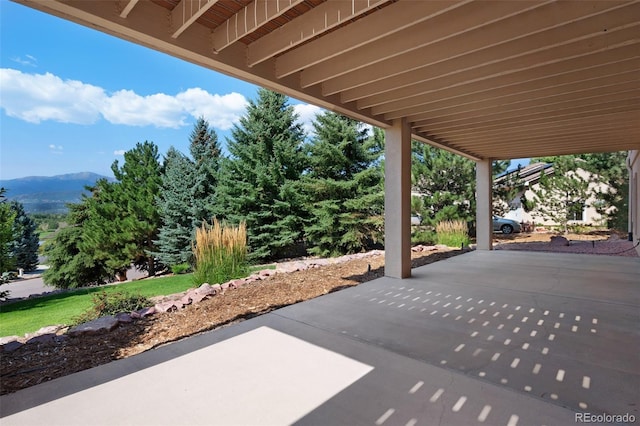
{"x": 452, "y": 233}
{"x": 220, "y": 252}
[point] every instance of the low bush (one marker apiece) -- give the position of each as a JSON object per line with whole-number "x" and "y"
{"x": 425, "y": 237}
{"x": 181, "y": 268}
{"x": 452, "y": 233}
{"x": 112, "y": 303}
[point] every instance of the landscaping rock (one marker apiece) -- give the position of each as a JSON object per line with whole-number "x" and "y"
{"x": 96, "y": 326}
{"x": 187, "y": 298}
{"x": 144, "y": 312}
{"x": 557, "y": 240}
{"x": 170, "y": 306}
{"x": 46, "y": 339}
{"x": 52, "y": 329}
{"x": 10, "y": 346}
{"x": 266, "y": 272}
{"x": 236, "y": 283}
{"x": 217, "y": 288}
{"x": 124, "y": 318}
{"x": 206, "y": 290}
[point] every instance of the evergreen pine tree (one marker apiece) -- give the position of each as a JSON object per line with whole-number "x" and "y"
{"x": 258, "y": 181}
{"x": 25, "y": 244}
{"x": 124, "y": 220}
{"x": 7, "y": 216}
{"x": 446, "y": 182}
{"x": 69, "y": 265}
{"x": 175, "y": 209}
{"x": 205, "y": 151}
{"x": 343, "y": 186}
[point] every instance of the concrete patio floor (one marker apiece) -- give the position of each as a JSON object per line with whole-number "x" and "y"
{"x": 511, "y": 338}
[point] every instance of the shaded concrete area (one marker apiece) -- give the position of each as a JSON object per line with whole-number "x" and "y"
{"x": 483, "y": 338}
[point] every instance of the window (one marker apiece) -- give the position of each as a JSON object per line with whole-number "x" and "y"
{"x": 575, "y": 211}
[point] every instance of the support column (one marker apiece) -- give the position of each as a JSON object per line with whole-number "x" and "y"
{"x": 484, "y": 201}
{"x": 397, "y": 200}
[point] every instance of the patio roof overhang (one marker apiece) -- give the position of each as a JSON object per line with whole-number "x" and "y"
{"x": 483, "y": 79}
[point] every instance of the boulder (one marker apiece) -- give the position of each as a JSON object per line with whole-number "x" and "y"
{"x": 100, "y": 325}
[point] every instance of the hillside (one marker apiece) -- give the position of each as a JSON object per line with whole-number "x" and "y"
{"x": 49, "y": 194}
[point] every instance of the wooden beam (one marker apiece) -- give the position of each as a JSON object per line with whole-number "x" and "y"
{"x": 248, "y": 19}
{"x": 443, "y": 26}
{"x": 391, "y": 19}
{"x": 516, "y": 37}
{"x": 318, "y": 20}
{"x": 128, "y": 8}
{"x": 187, "y": 12}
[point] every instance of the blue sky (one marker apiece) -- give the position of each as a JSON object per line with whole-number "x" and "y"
{"x": 73, "y": 99}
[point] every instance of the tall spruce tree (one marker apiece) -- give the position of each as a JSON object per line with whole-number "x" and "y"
{"x": 258, "y": 181}
{"x": 343, "y": 187}
{"x": 124, "y": 220}
{"x": 69, "y": 265}
{"x": 205, "y": 151}
{"x": 175, "y": 205}
{"x": 25, "y": 244}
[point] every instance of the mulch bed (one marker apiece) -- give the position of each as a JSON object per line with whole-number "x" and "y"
{"x": 39, "y": 362}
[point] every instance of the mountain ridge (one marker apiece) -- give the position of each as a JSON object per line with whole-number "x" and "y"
{"x": 49, "y": 194}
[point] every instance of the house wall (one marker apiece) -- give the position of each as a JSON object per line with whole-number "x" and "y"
{"x": 589, "y": 215}
{"x": 633, "y": 163}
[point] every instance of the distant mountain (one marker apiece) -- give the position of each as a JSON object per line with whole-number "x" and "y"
{"x": 49, "y": 194}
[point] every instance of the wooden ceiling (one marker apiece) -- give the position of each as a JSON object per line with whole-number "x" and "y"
{"x": 486, "y": 79}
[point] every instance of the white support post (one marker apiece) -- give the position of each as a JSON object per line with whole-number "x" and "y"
{"x": 484, "y": 201}
{"x": 397, "y": 200}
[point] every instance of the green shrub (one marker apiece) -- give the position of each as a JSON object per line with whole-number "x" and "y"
{"x": 220, "y": 253}
{"x": 425, "y": 237}
{"x": 112, "y": 303}
{"x": 452, "y": 233}
{"x": 181, "y": 268}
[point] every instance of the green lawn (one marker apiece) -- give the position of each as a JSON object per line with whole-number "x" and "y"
{"x": 30, "y": 315}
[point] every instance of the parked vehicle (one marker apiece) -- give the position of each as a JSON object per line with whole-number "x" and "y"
{"x": 506, "y": 226}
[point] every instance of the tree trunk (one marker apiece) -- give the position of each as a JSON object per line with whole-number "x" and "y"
{"x": 151, "y": 266}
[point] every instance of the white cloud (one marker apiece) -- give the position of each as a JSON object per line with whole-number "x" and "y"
{"x": 306, "y": 116}
{"x": 28, "y": 60}
{"x": 40, "y": 97}
{"x": 53, "y": 149}
{"x": 119, "y": 152}
{"x": 220, "y": 111}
